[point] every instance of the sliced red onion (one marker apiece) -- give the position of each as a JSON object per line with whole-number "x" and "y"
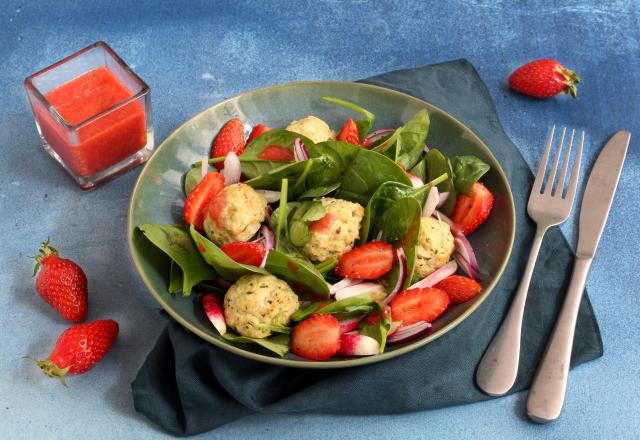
{"x": 268, "y": 211}
{"x": 213, "y": 309}
{"x": 268, "y": 238}
{"x": 345, "y": 282}
{"x": 375, "y": 136}
{"x": 300, "y": 152}
{"x": 443, "y": 218}
{"x": 355, "y": 344}
{"x": 348, "y": 325}
{"x": 304, "y": 304}
{"x": 416, "y": 182}
{"x": 466, "y": 257}
{"x": 232, "y": 170}
{"x": 432, "y": 202}
{"x": 402, "y": 275}
{"x": 437, "y": 276}
{"x": 395, "y": 325}
{"x": 443, "y": 198}
{"x": 204, "y": 166}
{"x": 379, "y": 236}
{"x": 358, "y": 289}
{"x": 408, "y": 332}
{"x": 223, "y": 284}
{"x": 426, "y": 148}
{"x": 269, "y": 196}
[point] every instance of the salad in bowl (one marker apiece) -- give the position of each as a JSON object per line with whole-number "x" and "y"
{"x": 326, "y": 243}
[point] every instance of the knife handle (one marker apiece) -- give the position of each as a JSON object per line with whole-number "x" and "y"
{"x": 546, "y": 395}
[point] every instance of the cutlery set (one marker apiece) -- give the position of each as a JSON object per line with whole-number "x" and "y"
{"x": 550, "y": 205}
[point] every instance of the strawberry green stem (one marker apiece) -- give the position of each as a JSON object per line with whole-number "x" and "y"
{"x": 571, "y": 79}
{"x": 45, "y": 251}
{"x": 50, "y": 369}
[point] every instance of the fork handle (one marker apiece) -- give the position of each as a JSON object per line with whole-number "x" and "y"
{"x": 498, "y": 368}
{"x": 546, "y": 395}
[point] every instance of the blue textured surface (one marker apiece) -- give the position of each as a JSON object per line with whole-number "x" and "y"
{"x": 195, "y": 55}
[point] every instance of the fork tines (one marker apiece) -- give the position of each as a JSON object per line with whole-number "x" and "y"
{"x": 553, "y": 187}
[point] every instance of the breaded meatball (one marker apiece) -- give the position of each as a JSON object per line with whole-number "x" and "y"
{"x": 435, "y": 246}
{"x": 256, "y": 300}
{"x": 314, "y": 128}
{"x": 336, "y": 232}
{"x": 235, "y": 214}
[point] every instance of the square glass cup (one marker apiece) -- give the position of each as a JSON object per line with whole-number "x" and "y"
{"x": 93, "y": 146}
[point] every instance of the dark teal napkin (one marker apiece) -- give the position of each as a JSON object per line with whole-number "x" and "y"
{"x": 188, "y": 386}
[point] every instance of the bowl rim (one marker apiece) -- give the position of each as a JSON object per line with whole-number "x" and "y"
{"x": 350, "y": 362}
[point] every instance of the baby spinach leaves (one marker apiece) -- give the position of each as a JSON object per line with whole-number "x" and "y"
{"x": 277, "y": 137}
{"x": 294, "y": 170}
{"x": 378, "y": 330}
{"x": 319, "y": 191}
{"x": 302, "y": 216}
{"x": 174, "y": 241}
{"x": 359, "y": 303}
{"x": 437, "y": 164}
{"x": 406, "y": 144}
{"x": 278, "y": 344}
{"x": 364, "y": 125}
{"x": 402, "y": 222}
{"x": 303, "y": 277}
{"x": 467, "y": 170}
{"x": 193, "y": 177}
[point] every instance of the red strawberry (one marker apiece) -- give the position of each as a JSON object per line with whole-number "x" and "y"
{"x": 322, "y": 225}
{"x": 349, "y": 133}
{"x": 425, "y": 304}
{"x": 369, "y": 261}
{"x": 374, "y": 318}
{"x": 276, "y": 153}
{"x": 471, "y": 211}
{"x": 79, "y": 348}
{"x": 459, "y": 288}
{"x": 229, "y": 138}
{"x": 198, "y": 199}
{"x": 61, "y": 283}
{"x": 316, "y": 338}
{"x": 245, "y": 253}
{"x": 257, "y": 131}
{"x": 544, "y": 78}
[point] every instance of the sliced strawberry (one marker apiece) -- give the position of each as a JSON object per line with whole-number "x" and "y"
{"x": 369, "y": 261}
{"x": 276, "y": 153}
{"x": 471, "y": 211}
{"x": 245, "y": 253}
{"x": 459, "y": 288}
{"x": 316, "y": 338}
{"x": 374, "y": 318}
{"x": 212, "y": 305}
{"x": 257, "y": 131}
{"x": 349, "y": 133}
{"x": 229, "y": 138}
{"x": 426, "y": 304}
{"x": 323, "y": 224}
{"x": 198, "y": 199}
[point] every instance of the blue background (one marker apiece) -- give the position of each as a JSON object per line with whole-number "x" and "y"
{"x": 194, "y": 55}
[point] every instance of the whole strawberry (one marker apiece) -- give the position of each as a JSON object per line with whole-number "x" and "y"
{"x": 61, "y": 283}
{"x": 229, "y": 138}
{"x": 544, "y": 78}
{"x": 79, "y": 348}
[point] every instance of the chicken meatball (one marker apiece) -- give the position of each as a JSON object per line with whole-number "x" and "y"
{"x": 336, "y": 232}
{"x": 235, "y": 214}
{"x": 314, "y": 128}
{"x": 258, "y": 300}
{"x": 435, "y": 246}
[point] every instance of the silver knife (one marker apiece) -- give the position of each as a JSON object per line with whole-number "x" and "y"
{"x": 546, "y": 395}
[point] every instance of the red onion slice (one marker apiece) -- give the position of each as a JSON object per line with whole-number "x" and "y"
{"x": 269, "y": 196}
{"x": 268, "y": 239}
{"x": 408, "y": 332}
{"x": 432, "y": 202}
{"x": 300, "y": 152}
{"x": 443, "y": 218}
{"x": 232, "y": 170}
{"x": 375, "y": 136}
{"x": 437, "y": 276}
{"x": 345, "y": 282}
{"x": 466, "y": 257}
{"x": 204, "y": 166}
{"x": 443, "y": 198}
{"x": 358, "y": 289}
{"x": 426, "y": 148}
{"x": 416, "y": 182}
{"x": 221, "y": 283}
{"x": 402, "y": 275}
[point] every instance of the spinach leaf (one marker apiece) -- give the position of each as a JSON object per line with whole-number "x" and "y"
{"x": 276, "y": 328}
{"x": 402, "y": 222}
{"x": 271, "y": 179}
{"x": 338, "y": 155}
{"x": 303, "y": 277}
{"x": 175, "y": 278}
{"x": 223, "y": 265}
{"x": 174, "y": 241}
{"x": 327, "y": 265}
{"x": 319, "y": 191}
{"x": 437, "y": 164}
{"x": 366, "y": 173}
{"x": 467, "y": 170}
{"x": 379, "y": 330}
{"x": 410, "y": 253}
{"x": 193, "y": 177}
{"x": 278, "y": 344}
{"x": 359, "y": 303}
{"x": 420, "y": 170}
{"x": 406, "y": 144}
{"x": 304, "y": 214}
{"x": 278, "y": 137}
{"x": 363, "y": 125}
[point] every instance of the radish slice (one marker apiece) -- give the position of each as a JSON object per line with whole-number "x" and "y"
{"x": 269, "y": 196}
{"x": 375, "y": 136}
{"x": 345, "y": 282}
{"x": 416, "y": 182}
{"x": 213, "y": 310}
{"x": 437, "y": 276}
{"x": 402, "y": 275}
{"x": 204, "y": 166}
{"x": 426, "y": 148}
{"x": 349, "y": 325}
{"x": 432, "y": 202}
{"x": 443, "y": 198}
{"x": 300, "y": 152}
{"x": 358, "y": 289}
{"x": 408, "y": 332}
{"x": 232, "y": 170}
{"x": 355, "y": 344}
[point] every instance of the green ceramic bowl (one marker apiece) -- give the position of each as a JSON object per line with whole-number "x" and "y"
{"x": 158, "y": 197}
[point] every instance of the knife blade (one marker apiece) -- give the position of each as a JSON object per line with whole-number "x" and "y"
{"x": 598, "y": 195}
{"x": 547, "y": 391}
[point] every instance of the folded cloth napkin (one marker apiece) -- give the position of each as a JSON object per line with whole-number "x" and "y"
{"x": 188, "y": 386}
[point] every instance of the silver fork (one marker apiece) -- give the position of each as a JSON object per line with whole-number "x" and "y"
{"x": 548, "y": 206}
